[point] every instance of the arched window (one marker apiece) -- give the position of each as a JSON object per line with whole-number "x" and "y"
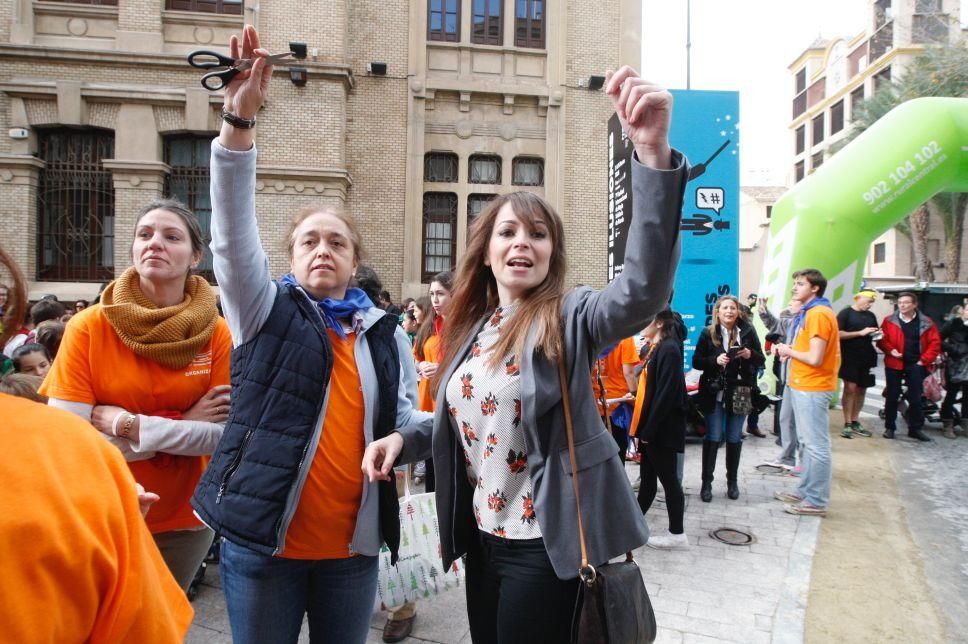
{"x": 440, "y": 167}
{"x": 484, "y": 168}
{"x": 527, "y": 171}
{"x": 75, "y": 206}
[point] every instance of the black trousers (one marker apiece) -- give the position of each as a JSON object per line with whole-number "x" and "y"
{"x": 950, "y": 396}
{"x": 914, "y": 376}
{"x": 513, "y": 594}
{"x": 660, "y": 462}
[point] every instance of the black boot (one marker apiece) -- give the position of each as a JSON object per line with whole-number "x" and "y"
{"x": 733, "y": 451}
{"x": 709, "y": 450}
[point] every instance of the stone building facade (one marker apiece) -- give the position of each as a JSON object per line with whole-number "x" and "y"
{"x": 99, "y": 113}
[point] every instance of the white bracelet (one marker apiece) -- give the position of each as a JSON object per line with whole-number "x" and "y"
{"x": 114, "y": 425}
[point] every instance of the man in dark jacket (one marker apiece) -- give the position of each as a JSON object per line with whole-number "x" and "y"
{"x": 911, "y": 343}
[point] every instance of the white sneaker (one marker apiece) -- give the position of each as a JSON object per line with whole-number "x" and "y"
{"x": 669, "y": 542}
{"x": 776, "y": 463}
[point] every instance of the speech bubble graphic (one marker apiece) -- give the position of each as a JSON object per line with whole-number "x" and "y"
{"x": 711, "y": 199}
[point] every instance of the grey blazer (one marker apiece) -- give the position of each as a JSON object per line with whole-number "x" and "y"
{"x": 591, "y": 319}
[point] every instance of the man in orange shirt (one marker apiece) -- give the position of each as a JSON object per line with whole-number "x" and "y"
{"x": 79, "y": 562}
{"x": 815, "y": 356}
{"x": 613, "y": 376}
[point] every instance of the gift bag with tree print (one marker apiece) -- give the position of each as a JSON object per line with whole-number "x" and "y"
{"x": 417, "y": 574}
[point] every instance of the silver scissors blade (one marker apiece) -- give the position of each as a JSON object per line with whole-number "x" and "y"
{"x": 246, "y": 63}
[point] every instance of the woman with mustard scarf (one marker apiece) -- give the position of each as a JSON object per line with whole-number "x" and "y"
{"x": 149, "y": 367}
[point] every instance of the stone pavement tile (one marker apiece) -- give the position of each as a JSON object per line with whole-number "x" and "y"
{"x": 764, "y": 623}
{"x": 692, "y": 638}
{"x": 441, "y": 619}
{"x": 201, "y": 635}
{"x": 764, "y": 549}
{"x": 670, "y": 605}
{"x": 700, "y": 626}
{"x": 722, "y": 615}
{"x": 668, "y": 636}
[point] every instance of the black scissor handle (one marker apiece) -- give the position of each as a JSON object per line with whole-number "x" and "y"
{"x": 207, "y": 59}
{"x": 214, "y": 81}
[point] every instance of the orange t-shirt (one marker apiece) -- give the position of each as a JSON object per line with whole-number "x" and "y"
{"x": 78, "y": 563}
{"x": 94, "y": 366}
{"x": 431, "y": 351}
{"x": 325, "y": 519}
{"x": 612, "y": 375}
{"x": 820, "y": 323}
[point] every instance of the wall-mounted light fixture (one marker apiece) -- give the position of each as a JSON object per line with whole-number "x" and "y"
{"x": 298, "y": 76}
{"x": 377, "y": 69}
{"x": 596, "y": 82}
{"x": 298, "y": 49}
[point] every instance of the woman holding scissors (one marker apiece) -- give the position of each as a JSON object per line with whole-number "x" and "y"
{"x": 318, "y": 372}
{"x": 504, "y": 478}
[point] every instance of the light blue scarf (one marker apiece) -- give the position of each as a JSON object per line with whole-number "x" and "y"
{"x": 335, "y": 310}
{"x": 802, "y": 315}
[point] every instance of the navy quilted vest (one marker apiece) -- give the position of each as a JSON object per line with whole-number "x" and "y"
{"x": 278, "y": 383}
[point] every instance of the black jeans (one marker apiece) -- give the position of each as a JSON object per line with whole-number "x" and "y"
{"x": 513, "y": 594}
{"x": 660, "y": 462}
{"x": 914, "y": 377}
{"x": 951, "y": 394}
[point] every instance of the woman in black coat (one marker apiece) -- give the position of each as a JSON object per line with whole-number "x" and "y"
{"x": 728, "y": 354}
{"x": 660, "y": 426}
{"x": 954, "y": 336}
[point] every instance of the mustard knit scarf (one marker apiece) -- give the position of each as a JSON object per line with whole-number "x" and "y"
{"x": 171, "y": 336}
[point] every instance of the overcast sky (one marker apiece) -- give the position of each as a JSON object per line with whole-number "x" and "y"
{"x": 746, "y": 45}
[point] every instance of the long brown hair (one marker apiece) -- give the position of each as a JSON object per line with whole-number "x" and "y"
{"x": 427, "y": 327}
{"x": 16, "y": 307}
{"x": 714, "y": 327}
{"x": 475, "y": 289}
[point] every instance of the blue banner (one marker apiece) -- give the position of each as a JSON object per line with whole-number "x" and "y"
{"x": 705, "y": 127}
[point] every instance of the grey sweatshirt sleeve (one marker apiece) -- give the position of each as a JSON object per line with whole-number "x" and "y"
{"x": 770, "y": 321}
{"x": 407, "y": 412}
{"x": 181, "y": 437}
{"x": 241, "y": 267}
{"x": 623, "y": 307}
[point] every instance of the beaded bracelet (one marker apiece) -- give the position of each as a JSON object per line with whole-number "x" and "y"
{"x": 237, "y": 121}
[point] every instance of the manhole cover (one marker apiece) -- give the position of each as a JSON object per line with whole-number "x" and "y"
{"x": 732, "y": 536}
{"x": 770, "y": 469}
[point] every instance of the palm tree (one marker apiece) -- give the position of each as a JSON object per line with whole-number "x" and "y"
{"x": 939, "y": 71}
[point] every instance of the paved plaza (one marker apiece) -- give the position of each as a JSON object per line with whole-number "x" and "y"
{"x": 734, "y": 593}
{"x": 715, "y": 592}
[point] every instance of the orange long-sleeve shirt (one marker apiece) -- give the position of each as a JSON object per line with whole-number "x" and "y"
{"x": 78, "y": 561}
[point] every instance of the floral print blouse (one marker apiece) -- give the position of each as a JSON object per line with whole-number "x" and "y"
{"x": 485, "y": 410}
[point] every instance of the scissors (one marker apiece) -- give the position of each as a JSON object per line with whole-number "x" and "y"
{"x": 213, "y": 81}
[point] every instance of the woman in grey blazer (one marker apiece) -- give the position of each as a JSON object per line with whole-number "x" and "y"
{"x": 504, "y": 493}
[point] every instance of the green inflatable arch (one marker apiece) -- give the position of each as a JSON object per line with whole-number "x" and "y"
{"x": 829, "y": 220}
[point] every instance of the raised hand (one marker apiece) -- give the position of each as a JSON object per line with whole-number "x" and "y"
{"x": 248, "y": 90}
{"x": 645, "y": 111}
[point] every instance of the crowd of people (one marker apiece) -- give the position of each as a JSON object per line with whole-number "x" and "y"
{"x": 275, "y": 414}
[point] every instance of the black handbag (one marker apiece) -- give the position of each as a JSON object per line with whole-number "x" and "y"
{"x": 613, "y": 606}
{"x": 740, "y": 400}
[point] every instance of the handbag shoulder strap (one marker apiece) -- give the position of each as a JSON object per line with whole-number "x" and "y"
{"x": 570, "y": 435}
{"x": 586, "y": 571}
